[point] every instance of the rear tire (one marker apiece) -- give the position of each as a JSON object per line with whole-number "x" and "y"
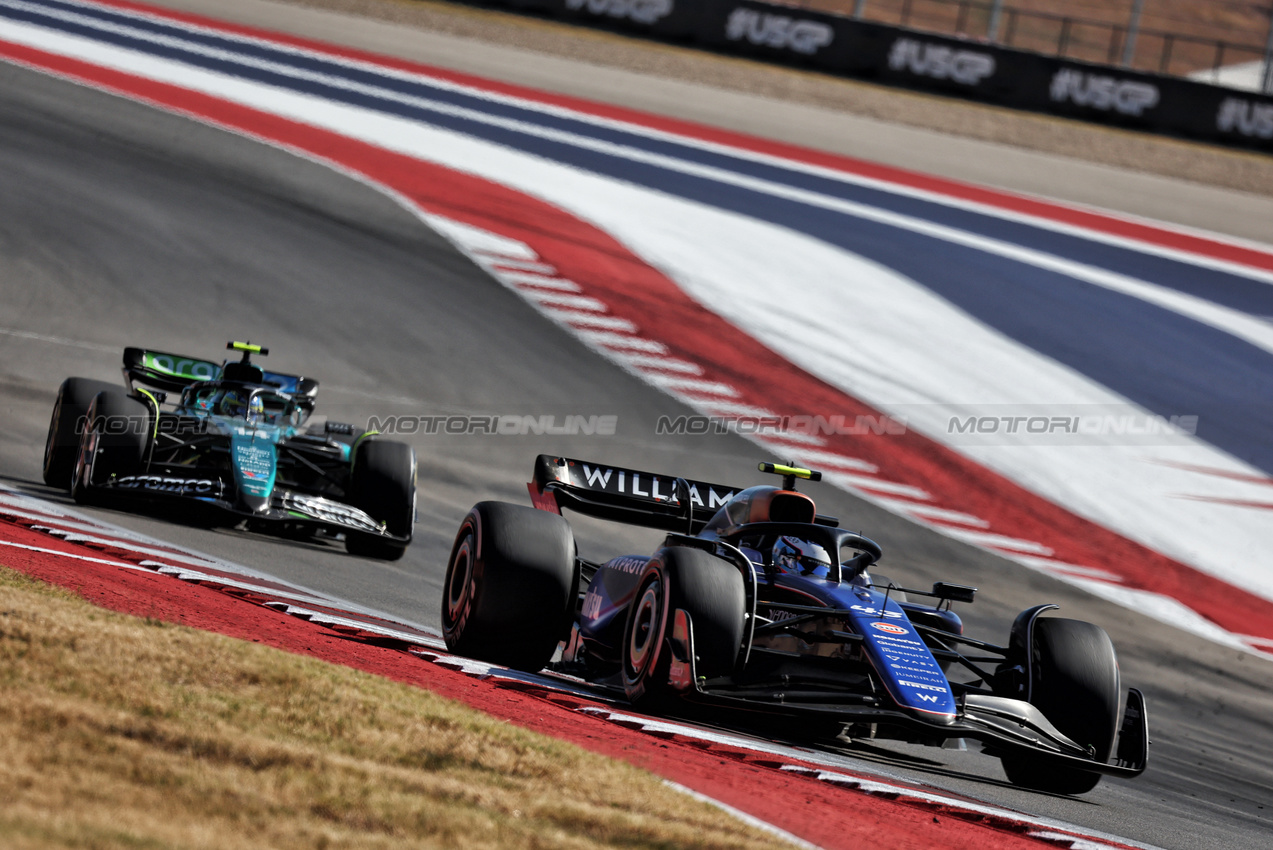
{"x": 1075, "y": 684}
{"x": 113, "y": 444}
{"x": 511, "y": 586}
{"x": 382, "y": 485}
{"x": 63, "y": 443}
{"x": 711, "y": 591}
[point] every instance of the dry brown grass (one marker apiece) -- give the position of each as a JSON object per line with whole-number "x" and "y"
{"x": 130, "y": 733}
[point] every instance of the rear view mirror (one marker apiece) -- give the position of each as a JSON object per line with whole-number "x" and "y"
{"x": 954, "y": 592}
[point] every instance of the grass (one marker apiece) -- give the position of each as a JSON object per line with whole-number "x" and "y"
{"x": 119, "y": 732}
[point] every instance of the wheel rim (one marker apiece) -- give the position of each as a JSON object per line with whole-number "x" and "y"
{"x": 83, "y": 465}
{"x": 52, "y": 439}
{"x": 459, "y": 580}
{"x": 646, "y": 630}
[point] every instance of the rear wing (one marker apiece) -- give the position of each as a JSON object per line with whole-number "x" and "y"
{"x": 168, "y": 372}
{"x": 175, "y": 372}
{"x": 625, "y": 495}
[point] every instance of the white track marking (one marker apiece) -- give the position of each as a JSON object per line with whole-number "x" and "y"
{"x": 562, "y": 185}
{"x": 57, "y": 340}
{"x": 786, "y": 164}
{"x": 61, "y": 554}
{"x": 930, "y": 512}
{"x": 587, "y": 320}
{"x": 1248, "y": 328}
{"x": 659, "y": 364}
{"x": 740, "y": 815}
{"x": 610, "y": 339}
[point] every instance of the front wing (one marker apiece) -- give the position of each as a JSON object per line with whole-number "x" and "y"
{"x": 999, "y": 722}
{"x": 286, "y": 506}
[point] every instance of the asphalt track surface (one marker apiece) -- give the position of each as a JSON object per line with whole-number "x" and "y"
{"x": 120, "y": 225}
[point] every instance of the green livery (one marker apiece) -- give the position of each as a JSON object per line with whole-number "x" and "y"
{"x": 232, "y": 446}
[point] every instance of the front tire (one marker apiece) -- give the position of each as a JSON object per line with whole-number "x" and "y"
{"x": 1075, "y": 684}
{"x": 511, "y": 586}
{"x": 382, "y": 485}
{"x": 63, "y": 443}
{"x": 113, "y": 444}
{"x": 711, "y": 591}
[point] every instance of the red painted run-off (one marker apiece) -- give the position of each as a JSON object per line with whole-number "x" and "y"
{"x": 635, "y": 291}
{"x": 824, "y": 814}
{"x": 1049, "y": 210}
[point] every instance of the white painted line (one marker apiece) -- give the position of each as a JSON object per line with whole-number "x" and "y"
{"x": 610, "y": 339}
{"x": 31, "y": 509}
{"x": 729, "y": 409}
{"x": 789, "y": 440}
{"x": 931, "y": 512}
{"x": 1231, "y": 321}
{"x": 591, "y": 320}
{"x": 559, "y": 284}
{"x": 877, "y": 783}
{"x": 844, "y": 176}
{"x": 870, "y": 786}
{"x": 186, "y": 574}
{"x": 689, "y": 385}
{"x": 658, "y": 364}
{"x": 1050, "y": 565}
{"x": 323, "y": 618}
{"x": 879, "y": 485}
{"x": 59, "y": 340}
{"x": 44, "y": 551}
{"x": 116, "y": 543}
{"x": 996, "y": 541}
{"x": 501, "y": 266}
{"x": 738, "y": 814}
{"x": 573, "y": 301}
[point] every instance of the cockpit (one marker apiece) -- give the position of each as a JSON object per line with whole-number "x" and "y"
{"x": 771, "y": 550}
{"x": 258, "y": 406}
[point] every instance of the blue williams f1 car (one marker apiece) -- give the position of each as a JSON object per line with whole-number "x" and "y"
{"x": 756, "y": 602}
{"x": 230, "y": 448}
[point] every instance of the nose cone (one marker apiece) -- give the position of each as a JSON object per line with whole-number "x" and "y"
{"x": 255, "y": 467}
{"x": 255, "y": 504}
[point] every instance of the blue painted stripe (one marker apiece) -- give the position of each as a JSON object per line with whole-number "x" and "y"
{"x": 1239, "y": 293}
{"x": 1236, "y": 292}
{"x": 1167, "y": 363}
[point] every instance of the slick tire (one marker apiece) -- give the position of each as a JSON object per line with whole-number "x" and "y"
{"x": 511, "y": 586}
{"x": 63, "y": 442}
{"x": 382, "y": 484}
{"x": 711, "y": 591}
{"x": 113, "y": 444}
{"x": 1075, "y": 684}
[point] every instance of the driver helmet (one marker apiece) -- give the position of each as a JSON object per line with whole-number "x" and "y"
{"x": 256, "y": 409}
{"x": 233, "y": 403}
{"x": 793, "y": 555}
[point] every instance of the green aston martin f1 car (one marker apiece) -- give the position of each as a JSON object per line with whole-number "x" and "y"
{"x": 230, "y": 446}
